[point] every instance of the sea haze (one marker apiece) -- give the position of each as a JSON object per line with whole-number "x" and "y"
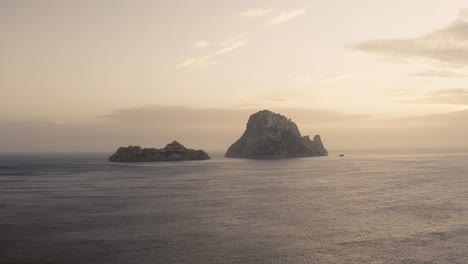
{"x": 362, "y": 208}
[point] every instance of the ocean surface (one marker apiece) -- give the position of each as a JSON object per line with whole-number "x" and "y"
{"x": 366, "y": 207}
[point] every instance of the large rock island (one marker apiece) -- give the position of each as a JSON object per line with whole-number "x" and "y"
{"x": 172, "y": 152}
{"x": 271, "y": 135}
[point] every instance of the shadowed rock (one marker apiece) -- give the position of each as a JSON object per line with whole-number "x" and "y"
{"x": 271, "y": 135}
{"x": 172, "y": 152}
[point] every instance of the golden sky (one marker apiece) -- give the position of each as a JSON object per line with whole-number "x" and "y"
{"x": 74, "y": 72}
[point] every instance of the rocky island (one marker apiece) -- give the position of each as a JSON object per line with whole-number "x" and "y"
{"x": 271, "y": 135}
{"x": 172, "y": 152}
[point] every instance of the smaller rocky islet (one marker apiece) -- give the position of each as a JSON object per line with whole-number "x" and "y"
{"x": 171, "y": 152}
{"x": 267, "y": 135}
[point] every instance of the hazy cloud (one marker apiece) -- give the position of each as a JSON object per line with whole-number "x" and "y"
{"x": 448, "y": 45}
{"x": 198, "y": 62}
{"x": 285, "y": 16}
{"x": 438, "y": 73}
{"x": 457, "y": 119}
{"x": 230, "y": 47}
{"x": 310, "y": 79}
{"x": 189, "y": 116}
{"x": 463, "y": 15}
{"x": 239, "y": 40}
{"x": 202, "y": 44}
{"x": 448, "y": 97}
{"x": 209, "y": 59}
{"x": 451, "y": 92}
{"x": 255, "y": 13}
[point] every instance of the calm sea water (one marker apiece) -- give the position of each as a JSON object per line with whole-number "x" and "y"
{"x": 405, "y": 207}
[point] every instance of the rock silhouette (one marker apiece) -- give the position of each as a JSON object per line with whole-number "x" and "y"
{"x": 172, "y": 152}
{"x": 271, "y": 135}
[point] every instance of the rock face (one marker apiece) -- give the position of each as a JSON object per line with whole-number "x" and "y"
{"x": 172, "y": 152}
{"x": 270, "y": 135}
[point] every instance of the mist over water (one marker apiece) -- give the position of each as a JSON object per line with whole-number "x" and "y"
{"x": 367, "y": 207}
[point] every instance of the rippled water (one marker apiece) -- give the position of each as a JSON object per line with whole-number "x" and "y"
{"x": 363, "y": 208}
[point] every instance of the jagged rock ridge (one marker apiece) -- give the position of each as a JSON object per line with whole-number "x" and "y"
{"x": 172, "y": 152}
{"x": 271, "y": 135}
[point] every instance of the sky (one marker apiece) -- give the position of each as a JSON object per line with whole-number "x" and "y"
{"x": 94, "y": 75}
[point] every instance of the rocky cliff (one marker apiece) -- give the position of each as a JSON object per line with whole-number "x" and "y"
{"x": 271, "y": 135}
{"x": 172, "y": 152}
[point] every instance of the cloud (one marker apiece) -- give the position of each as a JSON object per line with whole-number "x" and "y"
{"x": 438, "y": 73}
{"x": 285, "y": 16}
{"x": 255, "y": 13}
{"x": 183, "y": 116}
{"x": 239, "y": 40}
{"x": 463, "y": 15}
{"x": 197, "y": 62}
{"x": 209, "y": 59}
{"x": 452, "y": 92}
{"x": 202, "y": 44}
{"x": 448, "y": 45}
{"x": 230, "y": 47}
{"x": 309, "y": 79}
{"x": 457, "y": 119}
{"x": 447, "y": 97}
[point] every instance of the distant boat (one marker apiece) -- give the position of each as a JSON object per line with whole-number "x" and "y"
{"x": 341, "y": 155}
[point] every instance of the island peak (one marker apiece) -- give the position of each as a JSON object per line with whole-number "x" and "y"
{"x": 272, "y": 135}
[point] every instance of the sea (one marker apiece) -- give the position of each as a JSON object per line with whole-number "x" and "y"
{"x": 408, "y": 206}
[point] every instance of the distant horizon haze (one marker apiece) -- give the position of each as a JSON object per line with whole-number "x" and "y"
{"x": 217, "y": 129}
